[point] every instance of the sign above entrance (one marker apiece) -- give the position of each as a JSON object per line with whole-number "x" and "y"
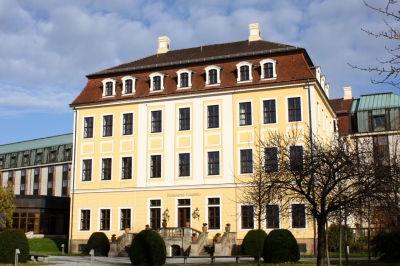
{"x": 183, "y": 194}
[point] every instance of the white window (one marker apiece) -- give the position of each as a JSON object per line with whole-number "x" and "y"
{"x": 109, "y": 87}
{"x": 213, "y": 75}
{"x": 157, "y": 81}
{"x": 244, "y": 72}
{"x": 128, "y": 85}
{"x": 268, "y": 69}
{"x": 184, "y": 78}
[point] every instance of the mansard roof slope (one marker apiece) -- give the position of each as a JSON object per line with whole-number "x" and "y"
{"x": 293, "y": 67}
{"x": 200, "y": 54}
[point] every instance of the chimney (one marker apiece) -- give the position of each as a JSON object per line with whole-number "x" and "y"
{"x": 347, "y": 93}
{"x": 327, "y": 89}
{"x": 163, "y": 44}
{"x": 322, "y": 81}
{"x": 317, "y": 73}
{"x": 255, "y": 32}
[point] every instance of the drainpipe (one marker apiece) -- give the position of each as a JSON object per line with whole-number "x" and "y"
{"x": 312, "y": 158}
{"x": 72, "y": 192}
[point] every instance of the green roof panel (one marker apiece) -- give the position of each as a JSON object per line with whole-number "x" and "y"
{"x": 36, "y": 143}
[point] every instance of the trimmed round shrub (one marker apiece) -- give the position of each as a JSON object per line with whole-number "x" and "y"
{"x": 148, "y": 248}
{"x": 10, "y": 240}
{"x": 251, "y": 241}
{"x": 280, "y": 246}
{"x": 100, "y": 243}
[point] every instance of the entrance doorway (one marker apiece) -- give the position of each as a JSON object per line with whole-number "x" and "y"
{"x": 183, "y": 212}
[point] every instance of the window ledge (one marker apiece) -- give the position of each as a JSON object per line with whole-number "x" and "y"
{"x": 268, "y": 79}
{"x": 215, "y": 84}
{"x": 156, "y": 91}
{"x": 184, "y": 88}
{"x": 245, "y": 81}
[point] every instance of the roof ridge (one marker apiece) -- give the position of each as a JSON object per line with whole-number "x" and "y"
{"x": 35, "y": 139}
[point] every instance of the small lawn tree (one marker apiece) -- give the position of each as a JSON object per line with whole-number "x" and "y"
{"x": 7, "y": 206}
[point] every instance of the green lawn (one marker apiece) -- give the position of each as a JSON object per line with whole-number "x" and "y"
{"x": 48, "y": 246}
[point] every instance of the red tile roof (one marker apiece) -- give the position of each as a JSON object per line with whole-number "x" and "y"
{"x": 201, "y": 54}
{"x": 293, "y": 67}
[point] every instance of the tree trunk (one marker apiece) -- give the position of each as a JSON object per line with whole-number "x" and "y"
{"x": 321, "y": 241}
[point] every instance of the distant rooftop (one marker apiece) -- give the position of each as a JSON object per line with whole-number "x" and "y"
{"x": 36, "y": 143}
{"x": 375, "y": 101}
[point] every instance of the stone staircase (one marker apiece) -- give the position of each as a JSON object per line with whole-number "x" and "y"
{"x": 124, "y": 252}
{"x": 208, "y": 250}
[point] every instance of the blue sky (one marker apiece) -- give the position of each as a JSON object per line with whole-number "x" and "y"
{"x": 48, "y": 47}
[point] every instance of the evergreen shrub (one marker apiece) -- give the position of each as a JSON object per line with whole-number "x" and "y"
{"x": 386, "y": 246}
{"x": 10, "y": 240}
{"x": 250, "y": 242}
{"x": 333, "y": 237}
{"x": 148, "y": 248}
{"x": 100, "y": 243}
{"x": 280, "y": 246}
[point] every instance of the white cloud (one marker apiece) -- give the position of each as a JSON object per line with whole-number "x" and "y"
{"x": 48, "y": 47}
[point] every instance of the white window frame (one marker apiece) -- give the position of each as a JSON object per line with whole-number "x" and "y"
{"x": 206, "y": 162}
{"x": 157, "y": 74}
{"x": 244, "y": 63}
{"x": 122, "y": 124}
{"x": 120, "y": 167}
{"x": 114, "y": 87}
{"x": 190, "y": 165}
{"x": 191, "y": 118}
{"x": 287, "y": 108}
{"x": 102, "y": 125}
{"x": 91, "y": 174}
{"x": 268, "y": 60}
{"x": 207, "y": 69}
{"x": 206, "y": 116}
{"x": 240, "y": 226}
{"x": 101, "y": 168}
{"x": 83, "y": 127}
{"x": 99, "y": 217}
{"x": 240, "y": 162}
{"x": 124, "y": 79}
{"x": 252, "y": 113}
{"x": 262, "y": 110}
{"x": 189, "y": 72}
{"x": 280, "y": 215}
{"x": 119, "y": 217}
{"x": 149, "y": 167}
{"x": 150, "y": 207}
{"x": 220, "y": 211}
{"x": 177, "y": 207}
{"x": 163, "y": 124}
{"x": 291, "y": 216}
{"x": 80, "y": 219}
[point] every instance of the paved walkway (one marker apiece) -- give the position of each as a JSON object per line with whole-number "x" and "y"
{"x": 85, "y": 260}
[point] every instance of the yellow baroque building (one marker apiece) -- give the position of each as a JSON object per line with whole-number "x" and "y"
{"x": 166, "y": 136}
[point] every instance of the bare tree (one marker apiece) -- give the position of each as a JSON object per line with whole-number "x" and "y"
{"x": 326, "y": 174}
{"x": 390, "y": 68}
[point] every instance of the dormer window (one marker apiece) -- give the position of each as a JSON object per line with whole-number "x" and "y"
{"x": 109, "y": 86}
{"x": 128, "y": 85}
{"x": 157, "y": 82}
{"x": 213, "y": 75}
{"x": 244, "y": 71}
{"x": 184, "y": 78}
{"x": 268, "y": 69}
